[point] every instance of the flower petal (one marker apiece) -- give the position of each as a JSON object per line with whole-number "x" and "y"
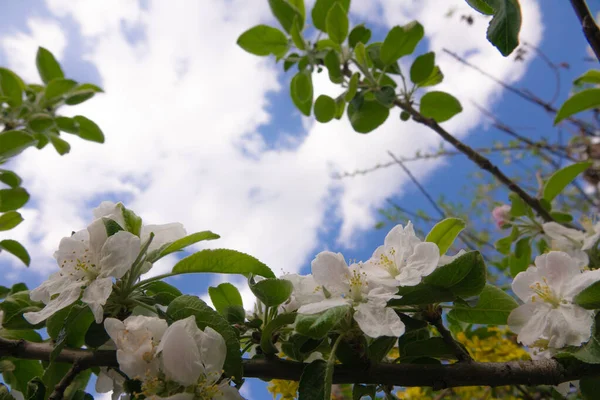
{"x": 523, "y": 282}
{"x": 422, "y": 262}
{"x": 118, "y": 254}
{"x": 95, "y": 296}
{"x": 163, "y": 234}
{"x": 315, "y": 308}
{"x": 376, "y": 321}
{"x": 180, "y": 354}
{"x": 557, "y": 268}
{"x": 64, "y": 299}
{"x": 212, "y": 352}
{"x": 111, "y": 210}
{"x": 330, "y": 270}
{"x": 114, "y": 327}
{"x": 227, "y": 392}
{"x": 529, "y": 321}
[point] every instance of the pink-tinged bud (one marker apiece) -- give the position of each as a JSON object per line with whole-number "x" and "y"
{"x": 501, "y": 215}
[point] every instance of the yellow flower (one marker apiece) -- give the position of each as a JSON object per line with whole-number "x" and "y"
{"x": 288, "y": 390}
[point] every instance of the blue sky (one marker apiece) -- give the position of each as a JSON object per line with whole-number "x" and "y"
{"x": 201, "y": 133}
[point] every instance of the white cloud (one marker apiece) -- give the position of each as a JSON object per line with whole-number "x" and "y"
{"x": 181, "y": 114}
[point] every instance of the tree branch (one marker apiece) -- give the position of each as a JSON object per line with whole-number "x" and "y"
{"x": 588, "y": 25}
{"x": 59, "y": 389}
{"x": 478, "y": 159}
{"x": 435, "y": 318}
{"x": 438, "y": 376}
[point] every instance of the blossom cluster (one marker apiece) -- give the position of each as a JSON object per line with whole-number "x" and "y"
{"x": 176, "y": 362}
{"x": 403, "y": 260}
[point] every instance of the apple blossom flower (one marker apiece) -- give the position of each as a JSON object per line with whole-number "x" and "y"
{"x": 137, "y": 339}
{"x": 88, "y": 261}
{"x": 110, "y": 380}
{"x": 192, "y": 357}
{"x": 306, "y": 291}
{"x": 592, "y": 235}
{"x": 350, "y": 286}
{"x": 548, "y": 289}
{"x": 501, "y": 215}
{"x": 570, "y": 241}
{"x": 403, "y": 259}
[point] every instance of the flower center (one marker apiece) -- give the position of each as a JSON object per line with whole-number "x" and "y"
{"x": 358, "y": 282}
{"x": 545, "y": 293}
{"x": 387, "y": 262}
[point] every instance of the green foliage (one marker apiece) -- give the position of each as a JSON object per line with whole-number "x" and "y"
{"x": 228, "y": 302}
{"x": 312, "y": 382}
{"x": 422, "y": 68}
{"x": 368, "y": 116}
{"x": 492, "y": 308}
{"x": 266, "y": 341}
{"x": 272, "y": 292}
{"x": 581, "y": 101}
{"x": 179, "y": 244}
{"x": 464, "y": 277}
{"x": 13, "y": 143}
{"x": 445, "y": 232}
{"x": 263, "y": 40}
{"x": 561, "y": 178}
{"x": 592, "y": 76}
{"x": 286, "y": 14}
{"x": 16, "y": 249}
{"x": 503, "y": 31}
{"x": 321, "y": 10}
{"x": 301, "y": 90}
{"x": 317, "y": 326}
{"x": 589, "y": 298}
{"x": 14, "y": 305}
{"x": 589, "y": 387}
{"x": 9, "y": 220}
{"x": 359, "y": 34}
{"x": 68, "y": 327}
{"x": 521, "y": 259}
{"x": 435, "y": 347}
{"x": 440, "y": 106}
{"x": 222, "y": 261}
{"x": 162, "y": 292}
{"x": 336, "y": 23}
{"x": 401, "y": 41}
{"x": 325, "y": 108}
{"x": 47, "y": 66}
{"x": 184, "y": 306}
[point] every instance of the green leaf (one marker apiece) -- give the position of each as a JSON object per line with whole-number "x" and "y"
{"x": 589, "y": 387}
{"x": 47, "y": 66}
{"x": 492, "y": 308}
{"x": 79, "y": 96}
{"x": 359, "y": 34}
{"x": 285, "y": 14}
{"x": 360, "y": 391}
{"x": 321, "y": 10}
{"x": 340, "y": 106}
{"x": 325, "y": 108}
{"x": 13, "y": 198}
{"x": 312, "y": 382}
{"x": 296, "y": 34}
{"x": 11, "y": 88}
{"x": 162, "y": 292}
{"x": 380, "y": 347}
{"x": 184, "y": 306}
{"x": 332, "y": 62}
{"x": 67, "y": 124}
{"x": 272, "y": 292}
{"x": 88, "y": 129}
{"x": 561, "y": 178}
{"x": 401, "y": 41}
{"x": 180, "y": 244}
{"x": 561, "y": 216}
{"x": 10, "y": 178}
{"x": 14, "y": 306}
{"x": 503, "y": 31}
{"x": 225, "y": 296}
{"x": 111, "y": 226}
{"x": 433, "y": 79}
{"x": 386, "y": 96}
{"x": 369, "y": 117}
{"x": 352, "y": 87}
{"x": 263, "y": 40}
{"x": 440, "y": 106}
{"x": 589, "y": 298}
{"x": 445, "y": 232}
{"x": 40, "y": 122}
{"x": 422, "y": 68}
{"x": 133, "y": 223}
{"x": 301, "y": 91}
{"x": 463, "y": 277}
{"x": 404, "y": 116}
{"x": 62, "y": 147}
{"x": 24, "y": 334}
{"x": 318, "y": 326}
{"x": 361, "y": 56}
{"x": 14, "y": 142}
{"x": 290, "y": 61}
{"x": 337, "y": 23}
{"x": 482, "y": 6}
{"x": 266, "y": 341}
{"x": 68, "y": 327}
{"x": 518, "y": 207}
{"x": 592, "y": 76}
{"x": 21, "y": 373}
{"x": 581, "y": 101}
{"x": 96, "y": 335}
{"x": 222, "y": 261}
{"x": 58, "y": 87}
{"x": 521, "y": 259}
{"x": 9, "y": 220}
{"x": 432, "y": 347}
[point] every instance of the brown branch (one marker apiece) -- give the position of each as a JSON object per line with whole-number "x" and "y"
{"x": 483, "y": 162}
{"x": 438, "y": 376}
{"x": 588, "y": 25}
{"x": 435, "y": 318}
{"x": 59, "y": 389}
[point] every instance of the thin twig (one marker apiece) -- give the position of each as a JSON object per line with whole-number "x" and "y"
{"x": 59, "y": 389}
{"x": 461, "y": 353}
{"x": 588, "y": 25}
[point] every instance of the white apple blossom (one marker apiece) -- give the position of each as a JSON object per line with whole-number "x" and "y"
{"x": 306, "y": 291}
{"x": 110, "y": 380}
{"x": 404, "y": 259}
{"x": 548, "y": 289}
{"x": 195, "y": 358}
{"x": 592, "y": 235}
{"x": 570, "y": 241}
{"x": 89, "y": 260}
{"x": 136, "y": 340}
{"x": 350, "y": 286}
